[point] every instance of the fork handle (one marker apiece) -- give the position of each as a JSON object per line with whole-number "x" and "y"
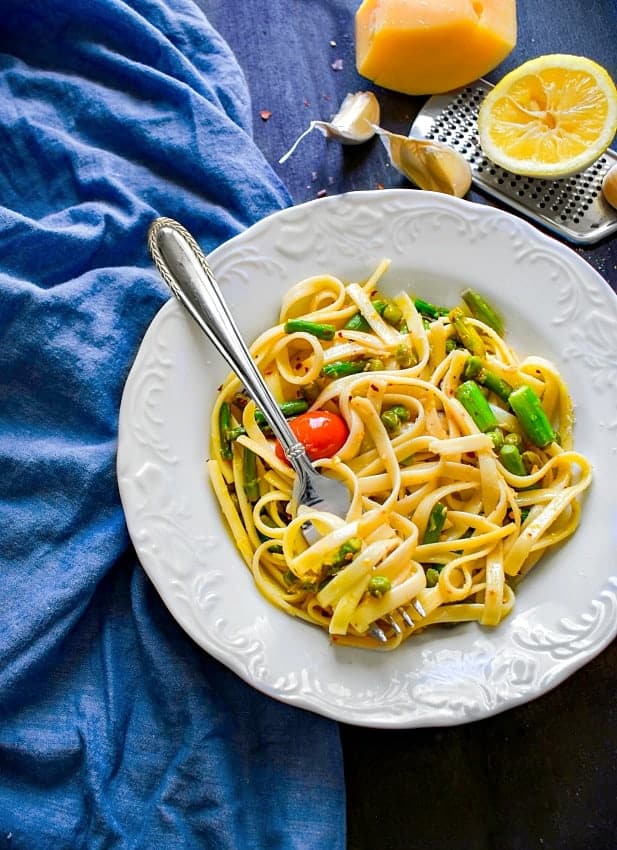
{"x": 184, "y": 268}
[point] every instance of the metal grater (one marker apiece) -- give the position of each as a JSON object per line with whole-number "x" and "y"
{"x": 573, "y": 207}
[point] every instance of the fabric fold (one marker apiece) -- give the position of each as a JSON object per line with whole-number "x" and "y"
{"x": 116, "y": 730}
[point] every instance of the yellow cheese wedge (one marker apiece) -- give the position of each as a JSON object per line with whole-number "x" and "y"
{"x": 432, "y": 46}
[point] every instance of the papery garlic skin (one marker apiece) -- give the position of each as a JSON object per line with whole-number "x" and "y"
{"x": 353, "y": 124}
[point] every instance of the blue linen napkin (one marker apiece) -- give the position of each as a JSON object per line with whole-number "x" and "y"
{"x": 116, "y": 730}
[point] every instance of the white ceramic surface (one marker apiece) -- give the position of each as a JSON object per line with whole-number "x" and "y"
{"x": 556, "y": 305}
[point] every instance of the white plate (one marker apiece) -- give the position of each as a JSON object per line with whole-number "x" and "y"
{"x": 556, "y": 305}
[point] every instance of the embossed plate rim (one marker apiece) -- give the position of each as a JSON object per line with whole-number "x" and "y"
{"x": 442, "y": 677}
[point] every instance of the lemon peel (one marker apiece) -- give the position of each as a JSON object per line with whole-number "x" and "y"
{"x": 551, "y": 117}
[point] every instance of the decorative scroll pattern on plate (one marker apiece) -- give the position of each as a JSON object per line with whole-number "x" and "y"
{"x": 440, "y": 677}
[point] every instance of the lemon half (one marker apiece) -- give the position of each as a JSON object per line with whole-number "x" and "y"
{"x": 550, "y": 117}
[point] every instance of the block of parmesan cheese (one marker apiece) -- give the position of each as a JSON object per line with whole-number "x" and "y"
{"x": 432, "y": 46}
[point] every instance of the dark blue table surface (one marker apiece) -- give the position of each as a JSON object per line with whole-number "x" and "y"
{"x": 543, "y": 775}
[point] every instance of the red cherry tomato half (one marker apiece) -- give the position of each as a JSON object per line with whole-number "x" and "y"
{"x": 322, "y": 434}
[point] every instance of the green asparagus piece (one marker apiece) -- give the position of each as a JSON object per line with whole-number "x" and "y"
{"x": 357, "y": 322}
{"x": 234, "y": 433}
{"x": 495, "y": 384}
{"x": 311, "y": 391}
{"x": 251, "y": 481}
{"x": 318, "y": 329}
{"x": 374, "y": 364}
{"x": 483, "y": 311}
{"x": 379, "y": 304}
{"x": 530, "y": 413}
{"x": 287, "y": 408}
{"x": 342, "y": 368}
{"x": 224, "y": 429}
{"x": 467, "y": 334}
{"x": 425, "y": 308}
{"x": 475, "y": 369}
{"x": 435, "y": 524}
{"x": 511, "y": 458}
{"x": 470, "y": 396}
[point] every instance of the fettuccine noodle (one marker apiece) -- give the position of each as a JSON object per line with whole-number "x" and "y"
{"x": 436, "y": 516}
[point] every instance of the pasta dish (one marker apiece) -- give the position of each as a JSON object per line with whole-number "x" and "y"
{"x": 458, "y": 457}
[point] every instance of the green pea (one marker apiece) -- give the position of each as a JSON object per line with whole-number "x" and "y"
{"x": 405, "y": 357}
{"x": 391, "y": 421}
{"x": 392, "y": 314}
{"x": 401, "y": 411}
{"x": 378, "y": 585}
{"x": 497, "y": 437}
{"x": 513, "y": 439}
{"x": 432, "y": 577}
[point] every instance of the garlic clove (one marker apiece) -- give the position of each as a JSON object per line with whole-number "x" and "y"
{"x": 355, "y": 121}
{"x": 353, "y": 124}
{"x": 430, "y": 165}
{"x": 609, "y": 186}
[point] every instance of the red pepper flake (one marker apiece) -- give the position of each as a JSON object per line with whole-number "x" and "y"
{"x": 337, "y": 65}
{"x": 327, "y": 96}
{"x": 265, "y": 114}
{"x": 379, "y": 186}
{"x": 322, "y": 193}
{"x": 306, "y": 102}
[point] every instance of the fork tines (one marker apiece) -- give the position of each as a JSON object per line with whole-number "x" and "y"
{"x": 379, "y": 634}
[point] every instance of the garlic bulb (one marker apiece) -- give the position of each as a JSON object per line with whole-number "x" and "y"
{"x": 353, "y": 124}
{"x": 609, "y": 186}
{"x": 430, "y": 165}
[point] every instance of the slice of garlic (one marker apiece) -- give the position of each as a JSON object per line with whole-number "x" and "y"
{"x": 430, "y": 165}
{"x": 609, "y": 186}
{"x": 353, "y": 124}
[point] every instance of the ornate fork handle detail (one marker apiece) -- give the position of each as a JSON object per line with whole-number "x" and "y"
{"x": 184, "y": 268}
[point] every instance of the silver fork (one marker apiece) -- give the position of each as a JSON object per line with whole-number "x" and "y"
{"x": 184, "y": 268}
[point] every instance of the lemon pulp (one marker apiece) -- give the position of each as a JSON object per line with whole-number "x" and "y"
{"x": 552, "y": 116}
